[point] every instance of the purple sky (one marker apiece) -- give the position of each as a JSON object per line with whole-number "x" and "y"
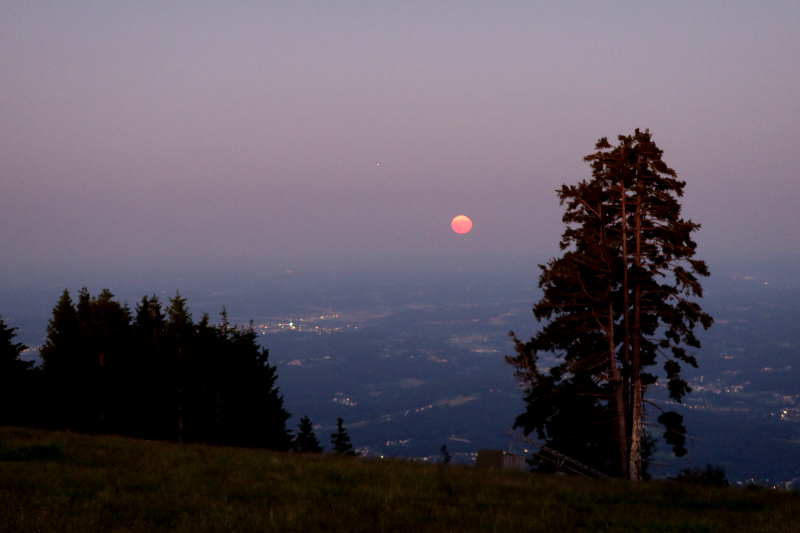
{"x": 213, "y": 137}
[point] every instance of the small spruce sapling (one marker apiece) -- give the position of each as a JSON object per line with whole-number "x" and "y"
{"x": 340, "y": 440}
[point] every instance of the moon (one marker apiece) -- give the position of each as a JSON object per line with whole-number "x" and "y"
{"x": 461, "y": 224}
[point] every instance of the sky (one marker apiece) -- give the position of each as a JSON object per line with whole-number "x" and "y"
{"x": 144, "y": 139}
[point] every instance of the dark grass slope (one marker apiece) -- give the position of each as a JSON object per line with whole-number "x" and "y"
{"x": 56, "y": 481}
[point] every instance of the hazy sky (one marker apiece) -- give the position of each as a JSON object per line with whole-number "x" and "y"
{"x": 146, "y": 137}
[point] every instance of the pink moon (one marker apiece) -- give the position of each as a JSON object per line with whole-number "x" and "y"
{"x": 461, "y": 224}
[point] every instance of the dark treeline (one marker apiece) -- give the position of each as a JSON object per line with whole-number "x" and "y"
{"x": 152, "y": 373}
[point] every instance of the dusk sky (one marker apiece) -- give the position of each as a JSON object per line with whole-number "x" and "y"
{"x": 247, "y": 137}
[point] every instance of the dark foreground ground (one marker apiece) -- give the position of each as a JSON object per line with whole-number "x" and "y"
{"x": 57, "y": 481}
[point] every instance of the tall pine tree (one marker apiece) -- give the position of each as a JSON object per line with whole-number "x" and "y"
{"x": 619, "y": 299}
{"x": 61, "y": 367}
{"x": 180, "y": 341}
{"x": 109, "y": 359}
{"x": 151, "y": 417}
{"x": 254, "y": 409}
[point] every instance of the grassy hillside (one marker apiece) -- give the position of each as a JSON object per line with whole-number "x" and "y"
{"x": 55, "y": 481}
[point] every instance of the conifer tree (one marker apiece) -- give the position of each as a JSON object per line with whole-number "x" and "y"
{"x": 85, "y": 365}
{"x": 204, "y": 399}
{"x": 306, "y": 440}
{"x": 109, "y": 360}
{"x": 180, "y": 333}
{"x": 242, "y": 401}
{"x": 152, "y": 419}
{"x": 445, "y": 453}
{"x": 617, "y": 300}
{"x": 16, "y": 378}
{"x": 62, "y": 333}
{"x": 340, "y": 440}
{"x": 258, "y": 407}
{"x": 59, "y": 354}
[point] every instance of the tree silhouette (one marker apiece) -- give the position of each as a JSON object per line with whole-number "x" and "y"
{"x": 16, "y": 377}
{"x": 107, "y": 358}
{"x": 618, "y": 298}
{"x": 204, "y": 397}
{"x": 150, "y": 417}
{"x": 306, "y": 441}
{"x": 445, "y": 453}
{"x": 180, "y": 337}
{"x": 61, "y": 367}
{"x": 341, "y": 440}
{"x": 254, "y": 411}
{"x": 710, "y": 476}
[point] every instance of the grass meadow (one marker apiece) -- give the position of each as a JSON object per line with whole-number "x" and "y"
{"x": 68, "y": 482}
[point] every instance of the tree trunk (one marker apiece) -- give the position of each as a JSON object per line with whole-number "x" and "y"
{"x": 626, "y": 339}
{"x": 635, "y": 464}
{"x": 618, "y": 398}
{"x": 179, "y": 419}
{"x": 614, "y": 376}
